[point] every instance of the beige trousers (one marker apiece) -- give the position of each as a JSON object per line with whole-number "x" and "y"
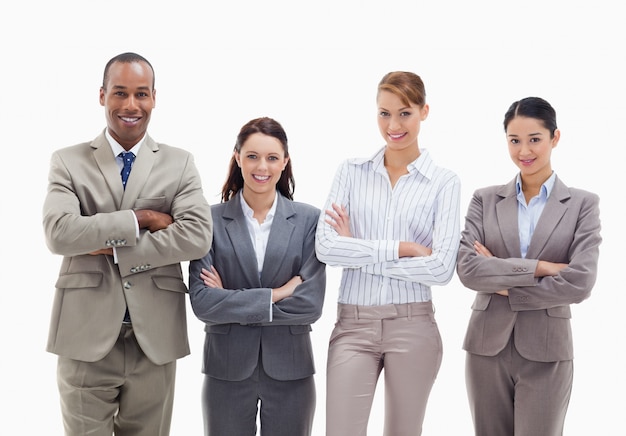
{"x": 123, "y": 393}
{"x": 401, "y": 339}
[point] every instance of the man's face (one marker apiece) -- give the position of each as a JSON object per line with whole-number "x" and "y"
{"x": 128, "y": 98}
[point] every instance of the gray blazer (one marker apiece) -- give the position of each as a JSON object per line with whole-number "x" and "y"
{"x": 86, "y": 209}
{"x": 237, "y": 318}
{"x": 538, "y": 312}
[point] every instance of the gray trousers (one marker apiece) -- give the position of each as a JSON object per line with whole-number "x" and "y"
{"x": 286, "y": 407}
{"x": 512, "y": 396}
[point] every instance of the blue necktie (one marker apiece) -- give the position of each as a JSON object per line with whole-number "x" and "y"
{"x": 128, "y": 158}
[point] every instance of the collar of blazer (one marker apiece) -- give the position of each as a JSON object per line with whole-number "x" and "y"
{"x": 506, "y": 209}
{"x": 278, "y": 243}
{"x": 141, "y": 169}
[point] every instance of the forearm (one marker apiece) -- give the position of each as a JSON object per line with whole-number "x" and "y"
{"x": 571, "y": 285}
{"x": 491, "y": 274}
{"x": 225, "y": 306}
{"x": 70, "y": 234}
{"x": 188, "y": 237}
{"x": 434, "y": 267}
{"x": 168, "y": 246}
{"x": 349, "y": 252}
{"x": 306, "y": 303}
{"x": 430, "y": 270}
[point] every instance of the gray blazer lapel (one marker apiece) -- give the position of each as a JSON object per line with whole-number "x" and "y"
{"x": 549, "y": 219}
{"x": 506, "y": 211}
{"x": 278, "y": 243}
{"x": 239, "y": 235}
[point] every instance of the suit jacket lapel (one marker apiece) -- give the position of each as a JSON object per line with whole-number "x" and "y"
{"x": 549, "y": 219}
{"x": 108, "y": 167}
{"x": 237, "y": 231}
{"x": 139, "y": 174}
{"x": 506, "y": 211}
{"x": 278, "y": 242}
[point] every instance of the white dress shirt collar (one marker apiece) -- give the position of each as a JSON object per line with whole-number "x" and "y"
{"x": 117, "y": 148}
{"x": 423, "y": 164}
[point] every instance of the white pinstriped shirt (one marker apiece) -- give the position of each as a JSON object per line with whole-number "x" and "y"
{"x": 423, "y": 207}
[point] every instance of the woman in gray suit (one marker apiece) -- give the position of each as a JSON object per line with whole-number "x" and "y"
{"x": 529, "y": 249}
{"x": 258, "y": 290}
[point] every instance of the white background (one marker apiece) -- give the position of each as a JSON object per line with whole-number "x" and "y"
{"x": 314, "y": 67}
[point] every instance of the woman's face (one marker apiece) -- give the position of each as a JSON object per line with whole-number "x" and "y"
{"x": 262, "y": 160}
{"x": 530, "y": 146}
{"x": 399, "y": 124}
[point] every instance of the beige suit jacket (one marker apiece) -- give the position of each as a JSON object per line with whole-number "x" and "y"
{"x": 538, "y": 310}
{"x": 87, "y": 209}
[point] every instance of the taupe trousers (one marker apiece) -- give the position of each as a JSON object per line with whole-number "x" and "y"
{"x": 401, "y": 338}
{"x": 91, "y": 392}
{"x": 511, "y": 395}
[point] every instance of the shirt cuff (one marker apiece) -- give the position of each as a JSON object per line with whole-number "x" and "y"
{"x": 136, "y": 226}
{"x": 387, "y": 251}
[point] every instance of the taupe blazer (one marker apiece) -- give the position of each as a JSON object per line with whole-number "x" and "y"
{"x": 238, "y": 327}
{"x": 87, "y": 209}
{"x": 538, "y": 310}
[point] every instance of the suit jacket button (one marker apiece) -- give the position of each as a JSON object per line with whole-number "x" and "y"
{"x": 127, "y": 285}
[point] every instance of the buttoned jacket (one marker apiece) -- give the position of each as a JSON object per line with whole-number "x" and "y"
{"x": 238, "y": 326}
{"x": 537, "y": 311}
{"x": 86, "y": 209}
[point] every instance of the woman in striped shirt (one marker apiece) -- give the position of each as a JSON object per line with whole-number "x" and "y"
{"x": 392, "y": 223}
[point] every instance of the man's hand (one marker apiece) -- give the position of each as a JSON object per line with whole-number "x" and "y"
{"x": 153, "y": 220}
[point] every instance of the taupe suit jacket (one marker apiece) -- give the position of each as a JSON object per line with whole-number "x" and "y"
{"x": 87, "y": 209}
{"x": 538, "y": 311}
{"x": 237, "y": 318}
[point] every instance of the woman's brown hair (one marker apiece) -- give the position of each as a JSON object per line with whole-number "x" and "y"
{"x": 270, "y": 127}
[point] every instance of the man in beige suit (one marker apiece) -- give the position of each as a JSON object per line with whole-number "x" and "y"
{"x": 118, "y": 321}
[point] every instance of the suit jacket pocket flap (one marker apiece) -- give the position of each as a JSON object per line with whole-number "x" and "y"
{"x": 481, "y": 302}
{"x": 155, "y": 203}
{"x": 299, "y": 329}
{"x": 79, "y": 280}
{"x": 168, "y": 283}
{"x": 560, "y": 312}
